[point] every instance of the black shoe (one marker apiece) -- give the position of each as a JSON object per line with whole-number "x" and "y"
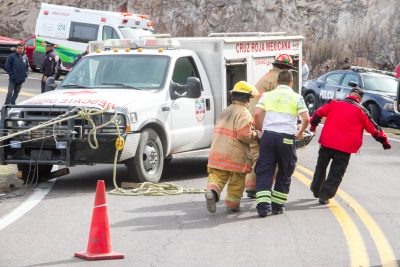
{"x": 277, "y": 211}
{"x": 251, "y": 193}
{"x": 323, "y": 201}
{"x": 263, "y": 214}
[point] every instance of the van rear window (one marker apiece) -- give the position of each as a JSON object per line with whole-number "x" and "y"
{"x": 83, "y": 32}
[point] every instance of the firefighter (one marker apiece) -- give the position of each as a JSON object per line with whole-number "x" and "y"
{"x": 276, "y": 114}
{"x": 49, "y": 66}
{"x": 229, "y": 154}
{"x": 341, "y": 136}
{"x": 267, "y": 83}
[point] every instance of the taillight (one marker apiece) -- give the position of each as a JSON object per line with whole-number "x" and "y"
{"x": 150, "y": 24}
{"x": 124, "y": 21}
{"x": 46, "y": 12}
{"x": 103, "y": 19}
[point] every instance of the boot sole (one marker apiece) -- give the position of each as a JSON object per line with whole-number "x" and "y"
{"x": 210, "y": 202}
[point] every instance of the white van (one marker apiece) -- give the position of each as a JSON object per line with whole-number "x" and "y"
{"x": 71, "y": 28}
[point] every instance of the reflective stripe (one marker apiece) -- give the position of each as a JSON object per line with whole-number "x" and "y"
{"x": 279, "y": 194}
{"x": 232, "y": 199}
{"x": 288, "y": 141}
{"x": 278, "y": 200}
{"x": 228, "y": 165}
{"x": 263, "y": 200}
{"x": 263, "y": 193}
{"x": 231, "y": 133}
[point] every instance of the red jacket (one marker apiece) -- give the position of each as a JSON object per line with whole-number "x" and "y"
{"x": 344, "y": 125}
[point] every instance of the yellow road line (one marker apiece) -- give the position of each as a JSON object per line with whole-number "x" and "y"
{"x": 355, "y": 242}
{"x": 21, "y": 93}
{"x": 385, "y": 251}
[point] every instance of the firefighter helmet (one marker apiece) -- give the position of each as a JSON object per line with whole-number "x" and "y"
{"x": 245, "y": 88}
{"x": 283, "y": 61}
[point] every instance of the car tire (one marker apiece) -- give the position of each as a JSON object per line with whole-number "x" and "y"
{"x": 148, "y": 163}
{"x": 30, "y": 174}
{"x": 311, "y": 99}
{"x": 374, "y": 112}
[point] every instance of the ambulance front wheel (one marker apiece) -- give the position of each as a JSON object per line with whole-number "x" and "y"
{"x": 148, "y": 162}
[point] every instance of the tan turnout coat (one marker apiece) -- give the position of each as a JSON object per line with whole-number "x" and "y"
{"x": 233, "y": 133}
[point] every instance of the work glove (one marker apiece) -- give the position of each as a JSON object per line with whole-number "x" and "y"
{"x": 381, "y": 137}
{"x": 386, "y": 145}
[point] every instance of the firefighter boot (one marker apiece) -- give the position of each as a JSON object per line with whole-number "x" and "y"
{"x": 251, "y": 193}
{"x": 263, "y": 210}
{"x": 211, "y": 200}
{"x": 232, "y": 209}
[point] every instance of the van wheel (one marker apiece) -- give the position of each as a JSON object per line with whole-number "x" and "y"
{"x": 30, "y": 174}
{"x": 311, "y": 103}
{"x": 148, "y": 162}
{"x": 374, "y": 112}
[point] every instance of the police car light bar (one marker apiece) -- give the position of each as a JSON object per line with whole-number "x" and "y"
{"x": 358, "y": 68}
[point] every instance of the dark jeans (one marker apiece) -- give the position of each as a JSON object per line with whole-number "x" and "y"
{"x": 42, "y": 86}
{"x": 326, "y": 189}
{"x": 275, "y": 149}
{"x": 13, "y": 91}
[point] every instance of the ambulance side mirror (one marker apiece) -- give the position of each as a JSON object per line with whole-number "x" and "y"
{"x": 192, "y": 89}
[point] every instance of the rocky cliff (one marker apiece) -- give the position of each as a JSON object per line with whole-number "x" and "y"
{"x": 332, "y": 28}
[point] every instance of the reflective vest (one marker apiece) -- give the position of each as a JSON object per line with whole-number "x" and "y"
{"x": 284, "y": 100}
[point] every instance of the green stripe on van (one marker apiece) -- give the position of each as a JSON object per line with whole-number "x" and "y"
{"x": 66, "y": 54}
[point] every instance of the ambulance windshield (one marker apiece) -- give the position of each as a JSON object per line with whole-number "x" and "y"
{"x": 133, "y": 33}
{"x": 136, "y": 72}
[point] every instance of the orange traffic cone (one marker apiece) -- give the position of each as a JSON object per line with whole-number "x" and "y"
{"x": 99, "y": 244}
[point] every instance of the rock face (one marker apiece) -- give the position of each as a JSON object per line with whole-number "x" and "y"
{"x": 332, "y": 28}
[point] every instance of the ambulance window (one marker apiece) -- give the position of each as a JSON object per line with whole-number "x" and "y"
{"x": 83, "y": 32}
{"x": 184, "y": 68}
{"x": 109, "y": 33}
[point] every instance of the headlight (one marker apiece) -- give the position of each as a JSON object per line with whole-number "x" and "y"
{"x": 119, "y": 119}
{"x": 389, "y": 107}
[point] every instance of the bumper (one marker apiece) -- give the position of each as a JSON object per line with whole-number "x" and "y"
{"x": 390, "y": 119}
{"x": 76, "y": 152}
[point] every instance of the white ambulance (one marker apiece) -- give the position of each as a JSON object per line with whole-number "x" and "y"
{"x": 71, "y": 28}
{"x": 168, "y": 93}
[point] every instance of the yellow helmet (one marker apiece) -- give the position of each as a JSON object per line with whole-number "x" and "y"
{"x": 245, "y": 88}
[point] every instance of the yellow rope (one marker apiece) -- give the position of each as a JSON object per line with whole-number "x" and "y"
{"x": 147, "y": 189}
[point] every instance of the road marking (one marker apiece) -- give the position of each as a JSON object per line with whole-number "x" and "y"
{"x": 39, "y": 193}
{"x": 355, "y": 242}
{"x": 3, "y": 90}
{"x": 385, "y": 251}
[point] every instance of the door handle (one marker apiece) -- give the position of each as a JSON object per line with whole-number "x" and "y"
{"x": 208, "y": 104}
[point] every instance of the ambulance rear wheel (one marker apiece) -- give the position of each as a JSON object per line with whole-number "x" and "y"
{"x": 149, "y": 159}
{"x": 29, "y": 173}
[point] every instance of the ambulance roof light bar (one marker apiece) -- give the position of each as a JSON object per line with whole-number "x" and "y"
{"x": 152, "y": 41}
{"x": 358, "y": 68}
{"x": 242, "y": 34}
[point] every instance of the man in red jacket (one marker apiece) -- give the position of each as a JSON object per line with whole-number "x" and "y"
{"x": 341, "y": 136}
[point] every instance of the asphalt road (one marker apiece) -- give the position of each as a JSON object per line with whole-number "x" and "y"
{"x": 360, "y": 227}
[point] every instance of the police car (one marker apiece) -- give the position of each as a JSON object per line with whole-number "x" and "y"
{"x": 380, "y": 92}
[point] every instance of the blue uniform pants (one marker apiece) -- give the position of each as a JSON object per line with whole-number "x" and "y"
{"x": 13, "y": 91}
{"x": 276, "y": 149}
